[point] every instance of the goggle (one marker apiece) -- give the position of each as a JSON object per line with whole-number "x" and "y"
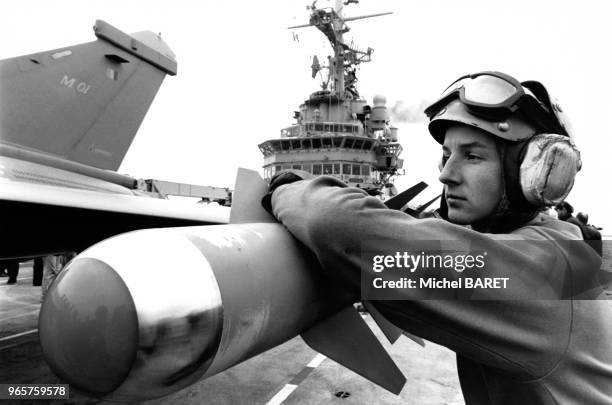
{"x": 495, "y": 96}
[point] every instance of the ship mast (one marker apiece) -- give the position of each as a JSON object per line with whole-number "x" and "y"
{"x": 336, "y": 132}
{"x": 342, "y": 65}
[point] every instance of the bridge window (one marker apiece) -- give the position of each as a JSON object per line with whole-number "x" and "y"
{"x": 307, "y": 167}
{"x": 346, "y": 169}
{"x": 365, "y": 170}
{"x": 356, "y": 170}
{"x": 336, "y": 168}
{"x": 337, "y": 142}
{"x": 285, "y": 145}
{"x": 318, "y": 127}
{"x": 367, "y": 145}
{"x": 316, "y": 169}
{"x": 349, "y": 143}
{"x": 316, "y": 143}
{"x": 327, "y": 127}
{"x": 295, "y": 144}
{"x": 348, "y": 129}
{"x": 297, "y": 167}
{"x": 327, "y": 169}
{"x": 358, "y": 144}
{"x": 310, "y": 127}
{"x": 286, "y": 167}
{"x": 326, "y": 142}
{"x": 337, "y": 127}
{"x": 276, "y": 145}
{"x": 277, "y": 168}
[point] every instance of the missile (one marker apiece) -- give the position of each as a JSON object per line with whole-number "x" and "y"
{"x": 144, "y": 314}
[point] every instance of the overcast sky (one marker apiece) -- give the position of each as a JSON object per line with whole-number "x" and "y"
{"x": 242, "y": 73}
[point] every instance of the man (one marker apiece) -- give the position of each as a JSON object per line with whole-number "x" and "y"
{"x": 37, "y": 272}
{"x": 12, "y": 270}
{"x": 52, "y": 266}
{"x": 589, "y": 233}
{"x": 565, "y": 211}
{"x": 530, "y": 343}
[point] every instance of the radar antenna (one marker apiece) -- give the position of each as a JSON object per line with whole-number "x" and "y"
{"x": 343, "y": 65}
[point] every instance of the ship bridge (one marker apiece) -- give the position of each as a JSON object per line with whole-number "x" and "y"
{"x": 331, "y": 148}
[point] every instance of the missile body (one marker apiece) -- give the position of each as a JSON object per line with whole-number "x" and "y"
{"x": 147, "y": 313}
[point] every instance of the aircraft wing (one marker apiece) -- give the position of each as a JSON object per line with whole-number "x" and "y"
{"x": 40, "y": 219}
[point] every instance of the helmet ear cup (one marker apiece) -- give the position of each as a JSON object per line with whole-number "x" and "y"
{"x": 548, "y": 169}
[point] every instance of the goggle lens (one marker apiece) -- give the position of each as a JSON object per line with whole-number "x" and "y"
{"x": 495, "y": 96}
{"x": 455, "y": 86}
{"x": 489, "y": 90}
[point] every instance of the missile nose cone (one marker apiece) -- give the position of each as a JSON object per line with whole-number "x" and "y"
{"x": 88, "y": 327}
{"x": 134, "y": 317}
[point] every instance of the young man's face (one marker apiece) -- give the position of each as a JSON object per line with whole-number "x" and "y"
{"x": 471, "y": 174}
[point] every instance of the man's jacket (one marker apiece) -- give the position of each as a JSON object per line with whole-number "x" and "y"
{"x": 533, "y": 343}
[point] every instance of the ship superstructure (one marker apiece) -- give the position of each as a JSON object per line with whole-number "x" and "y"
{"x": 336, "y": 132}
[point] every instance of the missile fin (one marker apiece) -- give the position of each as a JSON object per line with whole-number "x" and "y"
{"x": 248, "y": 191}
{"x": 398, "y": 201}
{"x": 391, "y": 331}
{"x": 345, "y": 338}
{"x": 414, "y": 338}
{"x": 421, "y": 208}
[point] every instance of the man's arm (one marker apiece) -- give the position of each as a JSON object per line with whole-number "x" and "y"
{"x": 334, "y": 221}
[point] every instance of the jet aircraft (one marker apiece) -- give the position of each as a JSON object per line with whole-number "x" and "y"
{"x": 67, "y": 119}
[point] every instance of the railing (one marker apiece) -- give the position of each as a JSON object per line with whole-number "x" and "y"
{"x": 314, "y": 128}
{"x": 326, "y": 142}
{"x": 390, "y": 149}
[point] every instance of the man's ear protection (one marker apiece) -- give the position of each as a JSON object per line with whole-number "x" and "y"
{"x": 548, "y": 168}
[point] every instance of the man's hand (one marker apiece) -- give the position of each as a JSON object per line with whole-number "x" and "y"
{"x": 280, "y": 179}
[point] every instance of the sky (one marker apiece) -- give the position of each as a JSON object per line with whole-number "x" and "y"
{"x": 242, "y": 73}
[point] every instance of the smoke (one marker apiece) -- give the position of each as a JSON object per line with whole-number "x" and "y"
{"x": 413, "y": 113}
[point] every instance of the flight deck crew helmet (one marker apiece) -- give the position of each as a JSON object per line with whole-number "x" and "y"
{"x": 539, "y": 157}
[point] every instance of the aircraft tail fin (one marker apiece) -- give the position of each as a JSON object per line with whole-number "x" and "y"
{"x": 345, "y": 338}
{"x": 85, "y": 102}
